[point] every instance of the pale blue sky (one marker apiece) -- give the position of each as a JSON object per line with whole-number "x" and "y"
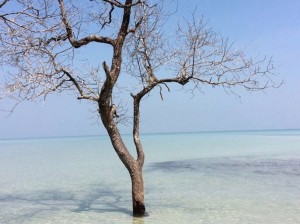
{"x": 270, "y": 27}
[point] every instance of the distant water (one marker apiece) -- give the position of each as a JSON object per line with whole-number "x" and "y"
{"x": 209, "y": 178}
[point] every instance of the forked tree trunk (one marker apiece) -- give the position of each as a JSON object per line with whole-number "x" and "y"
{"x": 133, "y": 166}
{"x": 108, "y": 112}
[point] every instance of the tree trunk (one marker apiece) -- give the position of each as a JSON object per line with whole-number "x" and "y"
{"x": 137, "y": 192}
{"x": 133, "y": 166}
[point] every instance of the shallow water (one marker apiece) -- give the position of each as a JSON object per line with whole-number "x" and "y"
{"x": 226, "y": 177}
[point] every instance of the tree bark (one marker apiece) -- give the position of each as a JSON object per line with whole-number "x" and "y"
{"x": 133, "y": 166}
{"x": 107, "y": 112}
{"x": 135, "y": 171}
{"x": 138, "y": 204}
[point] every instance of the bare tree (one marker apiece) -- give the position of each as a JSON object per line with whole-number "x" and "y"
{"x": 40, "y": 44}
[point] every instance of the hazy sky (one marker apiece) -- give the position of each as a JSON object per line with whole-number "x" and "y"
{"x": 270, "y": 27}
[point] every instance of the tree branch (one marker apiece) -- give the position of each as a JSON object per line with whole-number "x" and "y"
{"x": 76, "y": 84}
{"x": 120, "y": 5}
{"x": 136, "y": 129}
{"x": 57, "y": 38}
{"x": 84, "y": 41}
{"x": 3, "y": 3}
{"x": 137, "y": 25}
{"x": 109, "y": 16}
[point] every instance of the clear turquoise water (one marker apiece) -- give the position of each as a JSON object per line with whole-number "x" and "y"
{"x": 225, "y": 177}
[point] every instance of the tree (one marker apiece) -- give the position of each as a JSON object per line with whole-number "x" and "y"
{"x": 40, "y": 44}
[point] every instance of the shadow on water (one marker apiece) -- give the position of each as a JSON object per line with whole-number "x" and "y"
{"x": 255, "y": 165}
{"x": 99, "y": 199}
{"x": 102, "y": 200}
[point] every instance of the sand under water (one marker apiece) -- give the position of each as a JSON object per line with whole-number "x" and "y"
{"x": 209, "y": 178}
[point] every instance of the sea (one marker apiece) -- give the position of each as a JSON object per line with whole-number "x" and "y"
{"x": 240, "y": 177}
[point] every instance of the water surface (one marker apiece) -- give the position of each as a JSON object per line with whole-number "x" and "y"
{"x": 225, "y": 177}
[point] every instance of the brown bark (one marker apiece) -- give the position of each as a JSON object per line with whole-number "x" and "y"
{"x": 107, "y": 113}
{"x": 133, "y": 166}
{"x": 138, "y": 204}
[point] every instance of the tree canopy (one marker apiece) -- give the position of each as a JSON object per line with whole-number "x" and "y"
{"x": 39, "y": 41}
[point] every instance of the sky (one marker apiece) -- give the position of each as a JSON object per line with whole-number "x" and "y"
{"x": 261, "y": 27}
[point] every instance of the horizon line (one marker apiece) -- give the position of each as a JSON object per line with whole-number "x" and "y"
{"x": 147, "y": 133}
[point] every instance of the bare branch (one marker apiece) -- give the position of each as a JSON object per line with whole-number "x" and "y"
{"x": 136, "y": 26}
{"x": 75, "y": 82}
{"x": 57, "y": 39}
{"x": 106, "y": 69}
{"x": 3, "y": 3}
{"x": 120, "y": 5}
{"x": 85, "y": 40}
{"x": 109, "y": 16}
